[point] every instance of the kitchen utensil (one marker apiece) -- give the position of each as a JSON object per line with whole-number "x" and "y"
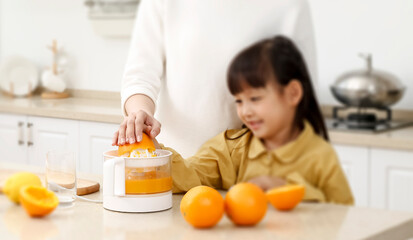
{"x": 368, "y": 87}
{"x": 136, "y": 184}
{"x": 52, "y": 79}
{"x": 18, "y": 76}
{"x": 84, "y": 186}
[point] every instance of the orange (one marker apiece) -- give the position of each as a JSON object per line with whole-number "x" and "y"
{"x": 145, "y": 143}
{"x": 202, "y": 207}
{"x": 245, "y": 204}
{"x": 286, "y": 197}
{"x": 38, "y": 201}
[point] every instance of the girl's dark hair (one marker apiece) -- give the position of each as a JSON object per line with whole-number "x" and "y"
{"x": 277, "y": 58}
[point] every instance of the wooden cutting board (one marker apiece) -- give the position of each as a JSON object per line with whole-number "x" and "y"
{"x": 83, "y": 186}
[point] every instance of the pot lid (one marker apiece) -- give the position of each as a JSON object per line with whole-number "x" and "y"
{"x": 368, "y": 78}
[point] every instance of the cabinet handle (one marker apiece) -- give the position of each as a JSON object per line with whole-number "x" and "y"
{"x": 29, "y": 134}
{"x": 20, "y": 139}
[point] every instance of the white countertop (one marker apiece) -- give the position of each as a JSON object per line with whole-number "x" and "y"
{"x": 109, "y": 111}
{"x": 401, "y": 139}
{"x": 308, "y": 221}
{"x": 87, "y": 109}
{"x": 87, "y": 220}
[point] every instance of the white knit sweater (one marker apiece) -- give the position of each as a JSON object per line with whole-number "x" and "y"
{"x": 180, "y": 52}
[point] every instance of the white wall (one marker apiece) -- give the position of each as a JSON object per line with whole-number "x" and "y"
{"x": 346, "y": 27}
{"x": 27, "y": 26}
{"x": 343, "y": 29}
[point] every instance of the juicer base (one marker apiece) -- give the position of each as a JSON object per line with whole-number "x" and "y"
{"x": 139, "y": 203}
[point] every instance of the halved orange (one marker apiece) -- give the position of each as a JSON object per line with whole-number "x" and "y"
{"x": 145, "y": 143}
{"x": 38, "y": 201}
{"x": 286, "y": 197}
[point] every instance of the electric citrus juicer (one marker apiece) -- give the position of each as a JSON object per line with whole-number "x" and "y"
{"x": 141, "y": 182}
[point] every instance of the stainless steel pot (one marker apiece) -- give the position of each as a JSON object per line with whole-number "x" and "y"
{"x": 368, "y": 87}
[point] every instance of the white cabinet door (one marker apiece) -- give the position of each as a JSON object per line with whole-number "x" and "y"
{"x": 392, "y": 179}
{"x": 355, "y": 164}
{"x": 46, "y": 134}
{"x": 12, "y": 140}
{"x": 95, "y": 138}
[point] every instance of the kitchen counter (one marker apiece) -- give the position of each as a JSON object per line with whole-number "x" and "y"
{"x": 75, "y": 108}
{"x": 87, "y": 220}
{"x": 401, "y": 139}
{"x": 91, "y": 106}
{"x": 308, "y": 221}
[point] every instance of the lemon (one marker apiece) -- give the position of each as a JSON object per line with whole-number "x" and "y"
{"x": 18, "y": 180}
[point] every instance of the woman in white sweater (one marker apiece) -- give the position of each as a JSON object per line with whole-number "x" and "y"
{"x": 177, "y": 64}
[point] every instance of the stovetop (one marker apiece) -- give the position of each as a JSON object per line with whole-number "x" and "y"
{"x": 364, "y": 121}
{"x": 333, "y": 124}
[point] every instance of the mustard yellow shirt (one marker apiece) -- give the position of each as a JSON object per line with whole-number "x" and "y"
{"x": 237, "y": 156}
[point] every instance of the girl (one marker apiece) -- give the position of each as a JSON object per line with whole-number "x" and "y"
{"x": 284, "y": 139}
{"x": 173, "y": 53}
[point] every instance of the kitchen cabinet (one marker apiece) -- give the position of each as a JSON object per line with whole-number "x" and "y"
{"x": 26, "y": 139}
{"x": 45, "y": 134}
{"x": 392, "y": 179}
{"x": 379, "y": 178}
{"x": 94, "y": 139}
{"x": 355, "y": 163}
{"x": 13, "y": 146}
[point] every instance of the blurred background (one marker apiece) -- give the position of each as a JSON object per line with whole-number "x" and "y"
{"x": 95, "y": 39}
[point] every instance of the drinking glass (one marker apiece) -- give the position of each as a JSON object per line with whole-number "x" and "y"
{"x": 61, "y": 175}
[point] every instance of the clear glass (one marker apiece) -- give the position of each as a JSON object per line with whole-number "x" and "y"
{"x": 61, "y": 176}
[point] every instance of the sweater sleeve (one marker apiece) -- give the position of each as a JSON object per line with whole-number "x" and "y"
{"x": 145, "y": 64}
{"x": 298, "y": 25}
{"x": 211, "y": 166}
{"x": 332, "y": 185}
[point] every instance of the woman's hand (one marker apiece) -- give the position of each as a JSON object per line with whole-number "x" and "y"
{"x": 155, "y": 142}
{"x": 130, "y": 130}
{"x": 268, "y": 182}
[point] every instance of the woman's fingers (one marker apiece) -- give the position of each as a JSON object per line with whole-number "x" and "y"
{"x": 115, "y": 138}
{"x": 147, "y": 129}
{"x": 122, "y": 132}
{"x": 154, "y": 127}
{"x": 130, "y": 130}
{"x": 140, "y": 124}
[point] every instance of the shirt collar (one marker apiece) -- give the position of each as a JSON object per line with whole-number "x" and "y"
{"x": 286, "y": 153}
{"x": 256, "y": 149}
